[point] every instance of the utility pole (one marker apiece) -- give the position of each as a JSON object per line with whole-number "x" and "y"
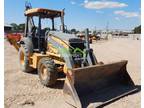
{"x": 107, "y": 29}
{"x": 95, "y": 30}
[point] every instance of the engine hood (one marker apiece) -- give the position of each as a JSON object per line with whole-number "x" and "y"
{"x": 63, "y": 36}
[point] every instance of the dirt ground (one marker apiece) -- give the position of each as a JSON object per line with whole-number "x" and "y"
{"x": 24, "y": 90}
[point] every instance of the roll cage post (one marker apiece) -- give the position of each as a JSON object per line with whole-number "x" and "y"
{"x": 62, "y": 21}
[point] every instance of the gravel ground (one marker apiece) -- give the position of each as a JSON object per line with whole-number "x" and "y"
{"x": 24, "y": 90}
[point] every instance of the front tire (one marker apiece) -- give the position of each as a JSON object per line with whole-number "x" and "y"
{"x": 47, "y": 71}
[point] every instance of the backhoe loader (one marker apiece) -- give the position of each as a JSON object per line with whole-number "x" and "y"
{"x": 88, "y": 83}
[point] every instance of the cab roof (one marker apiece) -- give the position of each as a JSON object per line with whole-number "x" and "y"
{"x": 44, "y": 13}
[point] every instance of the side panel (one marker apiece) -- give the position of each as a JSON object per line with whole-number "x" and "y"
{"x": 34, "y": 59}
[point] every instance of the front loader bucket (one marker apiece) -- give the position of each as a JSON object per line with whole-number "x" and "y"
{"x": 97, "y": 85}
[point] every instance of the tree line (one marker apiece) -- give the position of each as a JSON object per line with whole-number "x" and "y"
{"x": 137, "y": 30}
{"x": 21, "y": 27}
{"x": 18, "y": 27}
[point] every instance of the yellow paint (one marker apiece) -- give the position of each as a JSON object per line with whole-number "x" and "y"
{"x": 35, "y": 59}
{"x": 63, "y": 43}
{"x": 65, "y": 69}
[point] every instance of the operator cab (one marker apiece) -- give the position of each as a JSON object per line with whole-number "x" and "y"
{"x": 35, "y": 31}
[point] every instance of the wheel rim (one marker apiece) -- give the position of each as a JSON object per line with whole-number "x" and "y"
{"x": 22, "y": 58}
{"x": 44, "y": 72}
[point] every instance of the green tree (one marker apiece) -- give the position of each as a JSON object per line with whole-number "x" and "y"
{"x": 94, "y": 32}
{"x": 18, "y": 28}
{"x": 14, "y": 26}
{"x": 137, "y": 30}
{"x": 73, "y": 31}
{"x": 21, "y": 27}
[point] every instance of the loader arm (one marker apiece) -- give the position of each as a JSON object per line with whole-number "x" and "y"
{"x": 62, "y": 49}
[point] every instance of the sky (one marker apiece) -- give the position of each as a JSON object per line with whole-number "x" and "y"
{"x": 81, "y": 14}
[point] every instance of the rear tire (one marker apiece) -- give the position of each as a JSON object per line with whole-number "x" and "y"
{"x": 47, "y": 71}
{"x": 24, "y": 59}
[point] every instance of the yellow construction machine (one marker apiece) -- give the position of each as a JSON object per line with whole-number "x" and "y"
{"x": 88, "y": 83}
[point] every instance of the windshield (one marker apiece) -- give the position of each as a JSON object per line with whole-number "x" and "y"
{"x": 48, "y": 24}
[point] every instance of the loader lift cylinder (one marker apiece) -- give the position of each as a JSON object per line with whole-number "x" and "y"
{"x": 87, "y": 39}
{"x": 88, "y": 50}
